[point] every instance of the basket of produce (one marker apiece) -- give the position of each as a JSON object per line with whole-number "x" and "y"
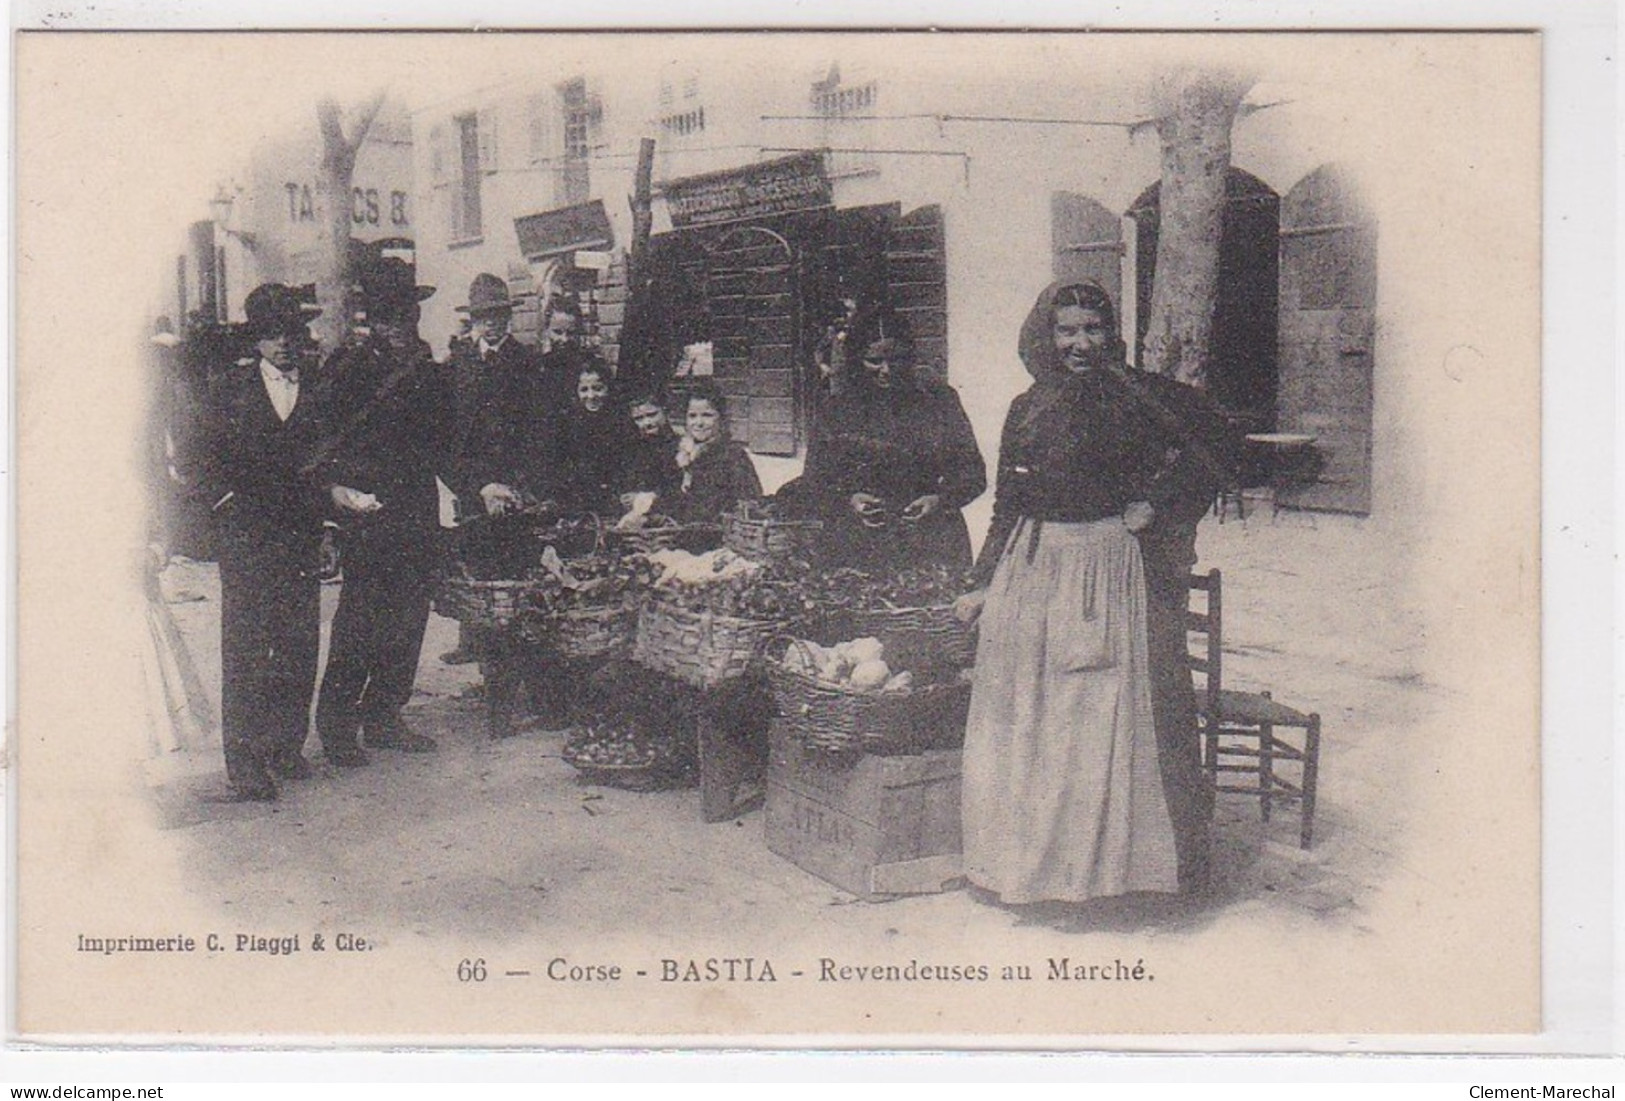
{"x": 572, "y": 536}
{"x": 911, "y": 612}
{"x": 846, "y": 699}
{"x": 615, "y": 752}
{"x": 760, "y": 530}
{"x": 586, "y": 607}
{"x": 488, "y": 604}
{"x": 709, "y": 615}
{"x": 658, "y": 533}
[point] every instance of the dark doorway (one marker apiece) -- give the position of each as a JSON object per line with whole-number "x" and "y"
{"x": 1244, "y": 376}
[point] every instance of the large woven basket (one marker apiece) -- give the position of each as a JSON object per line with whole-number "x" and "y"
{"x": 764, "y": 539}
{"x": 700, "y": 648}
{"x": 913, "y": 637}
{"x": 663, "y": 533}
{"x": 587, "y": 632}
{"x": 491, "y": 605}
{"x": 837, "y": 720}
{"x": 573, "y": 537}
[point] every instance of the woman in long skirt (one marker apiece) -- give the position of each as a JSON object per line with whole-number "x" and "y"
{"x": 1063, "y": 797}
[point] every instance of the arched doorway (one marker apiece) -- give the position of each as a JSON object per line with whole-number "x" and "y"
{"x": 752, "y": 303}
{"x": 1328, "y": 326}
{"x": 1244, "y": 376}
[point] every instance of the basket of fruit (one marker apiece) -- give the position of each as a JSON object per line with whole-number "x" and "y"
{"x": 709, "y": 615}
{"x": 657, "y": 533}
{"x": 910, "y": 611}
{"x": 496, "y": 604}
{"x": 759, "y": 530}
{"x": 845, "y": 699}
{"x": 572, "y": 536}
{"x": 587, "y": 607}
{"x": 617, "y": 753}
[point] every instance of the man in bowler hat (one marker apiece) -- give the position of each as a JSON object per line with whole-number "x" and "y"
{"x": 488, "y": 358}
{"x": 392, "y": 436}
{"x": 262, "y": 422}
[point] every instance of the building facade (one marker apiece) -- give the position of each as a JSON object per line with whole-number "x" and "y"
{"x": 266, "y": 227}
{"x": 781, "y": 195}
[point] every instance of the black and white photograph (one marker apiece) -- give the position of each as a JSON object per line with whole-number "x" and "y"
{"x": 793, "y": 538}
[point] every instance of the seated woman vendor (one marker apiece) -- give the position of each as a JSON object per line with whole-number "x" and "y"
{"x": 715, "y": 470}
{"x": 894, "y": 461}
{"x": 650, "y": 475}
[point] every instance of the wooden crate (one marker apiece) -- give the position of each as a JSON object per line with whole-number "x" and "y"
{"x": 878, "y": 827}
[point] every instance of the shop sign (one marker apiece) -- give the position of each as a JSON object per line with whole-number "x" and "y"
{"x": 796, "y": 182}
{"x": 583, "y": 227}
{"x": 369, "y": 206}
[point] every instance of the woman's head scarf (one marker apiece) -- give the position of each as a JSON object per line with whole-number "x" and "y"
{"x": 1055, "y": 386}
{"x": 884, "y": 334}
{"x": 1036, "y": 344}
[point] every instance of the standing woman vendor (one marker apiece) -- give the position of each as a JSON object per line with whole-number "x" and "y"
{"x": 1063, "y": 796}
{"x": 715, "y": 470}
{"x": 893, "y": 462}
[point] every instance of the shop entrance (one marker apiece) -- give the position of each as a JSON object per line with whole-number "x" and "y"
{"x": 749, "y": 303}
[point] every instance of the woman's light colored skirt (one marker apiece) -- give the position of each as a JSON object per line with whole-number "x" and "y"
{"x": 1063, "y": 793}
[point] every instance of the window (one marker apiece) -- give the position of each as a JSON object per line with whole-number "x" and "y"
{"x": 683, "y": 123}
{"x": 835, "y": 101}
{"x": 685, "y": 117}
{"x": 582, "y": 112}
{"x": 465, "y": 211}
{"x": 838, "y": 102}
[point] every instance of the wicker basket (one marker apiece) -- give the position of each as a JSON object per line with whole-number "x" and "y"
{"x": 663, "y": 533}
{"x": 587, "y": 632}
{"x": 573, "y": 537}
{"x": 837, "y": 720}
{"x": 763, "y": 539}
{"x": 913, "y": 637}
{"x": 700, "y": 648}
{"x": 491, "y": 605}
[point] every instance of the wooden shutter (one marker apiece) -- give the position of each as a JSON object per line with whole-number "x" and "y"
{"x": 750, "y": 285}
{"x": 486, "y": 124}
{"x": 1328, "y": 296}
{"x": 539, "y": 111}
{"x": 1088, "y": 244}
{"x": 917, "y": 284}
{"x": 440, "y": 155}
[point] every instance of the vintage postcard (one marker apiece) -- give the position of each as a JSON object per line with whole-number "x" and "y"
{"x": 777, "y": 539}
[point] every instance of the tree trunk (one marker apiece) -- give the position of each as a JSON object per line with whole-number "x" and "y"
{"x": 334, "y": 180}
{"x": 1196, "y": 111}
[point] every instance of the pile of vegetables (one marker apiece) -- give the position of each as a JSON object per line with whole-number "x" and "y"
{"x": 855, "y": 590}
{"x": 858, "y": 665}
{"x": 726, "y": 583}
{"x": 610, "y": 744}
{"x": 598, "y": 581}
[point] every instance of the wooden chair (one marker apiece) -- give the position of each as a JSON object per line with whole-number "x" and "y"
{"x": 1240, "y": 730}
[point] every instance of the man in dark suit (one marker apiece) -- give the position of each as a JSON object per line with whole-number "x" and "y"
{"x": 393, "y": 431}
{"x": 483, "y": 361}
{"x": 262, "y": 423}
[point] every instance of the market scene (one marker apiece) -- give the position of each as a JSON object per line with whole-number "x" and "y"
{"x": 735, "y": 498}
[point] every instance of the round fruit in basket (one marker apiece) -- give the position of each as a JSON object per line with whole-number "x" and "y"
{"x": 618, "y": 753}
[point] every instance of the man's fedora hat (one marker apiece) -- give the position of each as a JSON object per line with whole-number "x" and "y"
{"x": 389, "y": 289}
{"x": 275, "y": 309}
{"x": 487, "y": 294}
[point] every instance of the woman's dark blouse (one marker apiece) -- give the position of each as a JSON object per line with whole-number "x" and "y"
{"x": 720, "y": 477}
{"x": 1081, "y": 458}
{"x": 897, "y": 445}
{"x": 651, "y": 467}
{"x": 587, "y": 456}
